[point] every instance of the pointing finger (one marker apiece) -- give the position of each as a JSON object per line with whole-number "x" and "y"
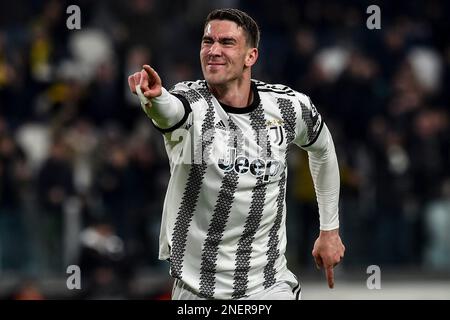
{"x": 153, "y": 77}
{"x": 330, "y": 276}
{"x": 150, "y": 71}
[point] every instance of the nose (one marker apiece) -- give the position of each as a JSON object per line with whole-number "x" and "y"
{"x": 215, "y": 49}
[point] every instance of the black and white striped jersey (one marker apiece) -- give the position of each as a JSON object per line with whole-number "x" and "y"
{"x": 223, "y": 226}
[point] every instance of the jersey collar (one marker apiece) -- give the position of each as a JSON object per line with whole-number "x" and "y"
{"x": 247, "y": 109}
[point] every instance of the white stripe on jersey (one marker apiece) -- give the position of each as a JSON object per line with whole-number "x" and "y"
{"x": 223, "y": 227}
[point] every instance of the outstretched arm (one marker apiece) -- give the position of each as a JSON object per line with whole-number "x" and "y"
{"x": 163, "y": 108}
{"x": 328, "y": 249}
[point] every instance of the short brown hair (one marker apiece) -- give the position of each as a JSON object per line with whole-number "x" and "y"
{"x": 242, "y": 19}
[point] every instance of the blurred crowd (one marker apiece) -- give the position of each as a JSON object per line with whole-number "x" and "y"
{"x": 83, "y": 173}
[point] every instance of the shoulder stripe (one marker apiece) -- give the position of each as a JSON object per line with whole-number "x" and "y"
{"x": 313, "y": 121}
{"x": 288, "y": 91}
{"x": 275, "y": 88}
{"x": 315, "y": 138}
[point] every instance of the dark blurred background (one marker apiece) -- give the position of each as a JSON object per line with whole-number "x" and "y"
{"x": 83, "y": 173}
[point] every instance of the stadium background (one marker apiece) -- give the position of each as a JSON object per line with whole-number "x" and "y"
{"x": 83, "y": 173}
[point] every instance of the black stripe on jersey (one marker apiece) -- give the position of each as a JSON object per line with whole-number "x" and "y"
{"x": 219, "y": 219}
{"x": 290, "y": 93}
{"x": 315, "y": 138}
{"x": 311, "y": 120}
{"x": 275, "y": 88}
{"x": 288, "y": 114}
{"x": 244, "y": 249}
{"x": 264, "y": 85}
{"x": 187, "y": 111}
{"x": 296, "y": 291}
{"x": 191, "y": 83}
{"x": 191, "y": 95}
{"x": 192, "y": 189}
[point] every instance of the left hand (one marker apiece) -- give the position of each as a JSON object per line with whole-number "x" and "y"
{"x": 328, "y": 251}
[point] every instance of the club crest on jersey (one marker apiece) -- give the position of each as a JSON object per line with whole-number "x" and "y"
{"x": 274, "y": 122}
{"x": 276, "y": 134}
{"x": 269, "y": 168}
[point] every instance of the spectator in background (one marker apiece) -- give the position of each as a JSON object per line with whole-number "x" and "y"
{"x": 55, "y": 187}
{"x": 104, "y": 263}
{"x": 14, "y": 177}
{"x": 437, "y": 226}
{"x": 113, "y": 184}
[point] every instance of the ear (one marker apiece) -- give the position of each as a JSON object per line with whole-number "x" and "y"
{"x": 251, "y": 57}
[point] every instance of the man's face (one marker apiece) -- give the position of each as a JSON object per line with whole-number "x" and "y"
{"x": 224, "y": 53}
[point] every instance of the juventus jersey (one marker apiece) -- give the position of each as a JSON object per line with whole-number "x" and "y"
{"x": 223, "y": 226}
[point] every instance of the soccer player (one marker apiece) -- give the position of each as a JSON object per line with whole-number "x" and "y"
{"x": 224, "y": 219}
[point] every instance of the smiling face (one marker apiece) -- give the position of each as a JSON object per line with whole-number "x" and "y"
{"x": 225, "y": 55}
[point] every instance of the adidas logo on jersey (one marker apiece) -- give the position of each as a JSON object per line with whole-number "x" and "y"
{"x": 220, "y": 125}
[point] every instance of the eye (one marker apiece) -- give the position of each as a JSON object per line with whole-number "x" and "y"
{"x": 207, "y": 41}
{"x": 228, "y": 42}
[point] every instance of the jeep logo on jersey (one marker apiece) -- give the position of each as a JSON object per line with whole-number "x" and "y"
{"x": 257, "y": 167}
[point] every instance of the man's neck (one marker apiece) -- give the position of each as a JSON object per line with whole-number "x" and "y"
{"x": 236, "y": 94}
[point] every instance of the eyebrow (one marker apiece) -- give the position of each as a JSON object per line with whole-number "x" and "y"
{"x": 223, "y": 39}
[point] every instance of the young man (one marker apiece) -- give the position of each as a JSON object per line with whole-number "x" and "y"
{"x": 223, "y": 226}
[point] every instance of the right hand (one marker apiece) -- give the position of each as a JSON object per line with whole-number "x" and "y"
{"x": 328, "y": 252}
{"x": 149, "y": 81}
